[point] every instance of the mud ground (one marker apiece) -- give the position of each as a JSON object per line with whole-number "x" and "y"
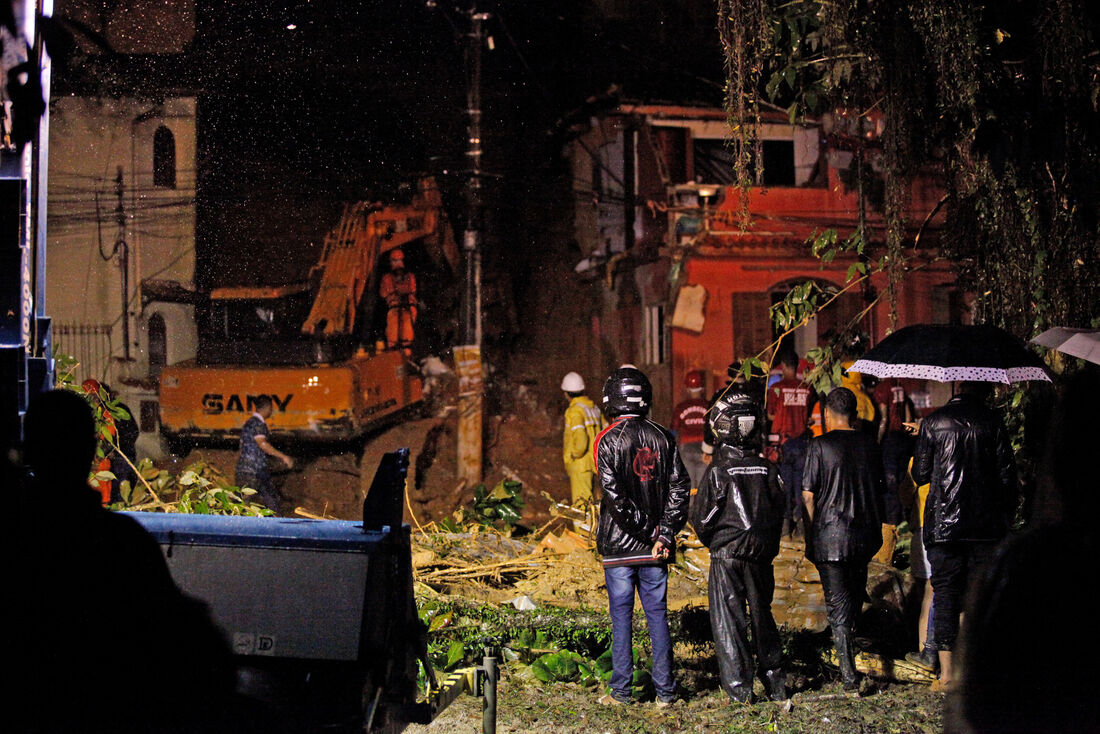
{"x": 333, "y": 483}
{"x": 898, "y": 709}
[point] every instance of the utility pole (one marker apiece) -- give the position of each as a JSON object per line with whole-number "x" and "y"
{"x": 123, "y": 262}
{"x": 468, "y": 356}
{"x": 471, "y": 240}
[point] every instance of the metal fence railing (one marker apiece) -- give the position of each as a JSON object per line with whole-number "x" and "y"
{"x": 90, "y": 344}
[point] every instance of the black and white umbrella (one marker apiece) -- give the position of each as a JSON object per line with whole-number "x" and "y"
{"x": 1083, "y": 343}
{"x": 946, "y": 353}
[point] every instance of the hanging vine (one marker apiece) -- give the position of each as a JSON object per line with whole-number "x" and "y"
{"x": 1003, "y": 98}
{"x": 745, "y": 36}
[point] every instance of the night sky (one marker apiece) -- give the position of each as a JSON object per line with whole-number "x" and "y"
{"x": 306, "y": 105}
{"x": 359, "y": 97}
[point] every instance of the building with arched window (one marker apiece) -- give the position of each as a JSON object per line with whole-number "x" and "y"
{"x": 681, "y": 285}
{"x": 121, "y": 207}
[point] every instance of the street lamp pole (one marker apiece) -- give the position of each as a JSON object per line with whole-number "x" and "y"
{"x": 471, "y": 239}
{"x": 468, "y": 355}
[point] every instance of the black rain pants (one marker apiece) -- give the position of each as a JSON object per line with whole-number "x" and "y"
{"x": 955, "y": 568}
{"x": 845, "y": 586}
{"x": 740, "y": 594}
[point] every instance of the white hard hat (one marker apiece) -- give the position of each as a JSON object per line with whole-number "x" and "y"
{"x": 572, "y": 382}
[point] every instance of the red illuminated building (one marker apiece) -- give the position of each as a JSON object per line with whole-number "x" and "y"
{"x": 683, "y": 286}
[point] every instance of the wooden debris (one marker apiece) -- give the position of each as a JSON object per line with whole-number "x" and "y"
{"x": 303, "y": 512}
{"x": 884, "y": 668}
{"x": 564, "y": 544}
{"x": 423, "y": 558}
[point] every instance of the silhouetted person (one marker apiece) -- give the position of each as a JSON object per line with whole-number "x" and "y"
{"x": 1027, "y": 648}
{"x": 102, "y": 640}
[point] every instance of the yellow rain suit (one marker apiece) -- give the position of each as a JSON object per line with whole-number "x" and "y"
{"x": 865, "y": 406}
{"x": 583, "y": 421}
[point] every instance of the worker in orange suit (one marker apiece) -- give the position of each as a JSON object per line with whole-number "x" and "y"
{"x": 398, "y": 290}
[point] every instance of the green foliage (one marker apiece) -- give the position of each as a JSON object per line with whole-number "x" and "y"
{"x": 200, "y": 489}
{"x": 458, "y": 632}
{"x": 106, "y": 409}
{"x": 805, "y": 300}
{"x": 501, "y": 508}
{"x": 1002, "y": 98}
{"x": 560, "y": 667}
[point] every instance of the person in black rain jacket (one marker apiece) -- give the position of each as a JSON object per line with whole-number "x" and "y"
{"x": 645, "y": 488}
{"x": 842, "y": 490}
{"x": 963, "y": 452}
{"x": 738, "y": 515}
{"x": 644, "y": 504}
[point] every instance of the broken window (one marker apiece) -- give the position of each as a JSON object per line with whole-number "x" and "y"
{"x": 713, "y": 161}
{"x": 778, "y": 162}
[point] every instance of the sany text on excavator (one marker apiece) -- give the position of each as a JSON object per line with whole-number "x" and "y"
{"x": 309, "y": 346}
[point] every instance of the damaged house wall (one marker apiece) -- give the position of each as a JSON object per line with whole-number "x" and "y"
{"x": 686, "y": 231}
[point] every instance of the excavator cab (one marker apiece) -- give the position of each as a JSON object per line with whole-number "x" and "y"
{"x": 261, "y": 326}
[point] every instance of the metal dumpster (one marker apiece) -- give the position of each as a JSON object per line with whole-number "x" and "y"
{"x": 320, "y": 613}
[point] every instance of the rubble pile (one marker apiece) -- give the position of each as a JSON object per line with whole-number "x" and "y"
{"x": 557, "y": 566}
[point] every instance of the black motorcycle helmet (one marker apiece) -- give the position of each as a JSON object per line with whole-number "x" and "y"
{"x": 627, "y": 392}
{"x": 737, "y": 420}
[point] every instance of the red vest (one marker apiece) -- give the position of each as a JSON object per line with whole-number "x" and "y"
{"x": 688, "y": 419}
{"x": 789, "y": 401}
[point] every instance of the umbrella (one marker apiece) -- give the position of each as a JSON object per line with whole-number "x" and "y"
{"x": 946, "y": 353}
{"x": 1083, "y": 343}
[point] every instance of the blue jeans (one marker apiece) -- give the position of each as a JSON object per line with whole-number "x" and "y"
{"x": 651, "y": 583}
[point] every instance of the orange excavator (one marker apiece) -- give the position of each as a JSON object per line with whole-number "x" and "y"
{"x": 309, "y": 346}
